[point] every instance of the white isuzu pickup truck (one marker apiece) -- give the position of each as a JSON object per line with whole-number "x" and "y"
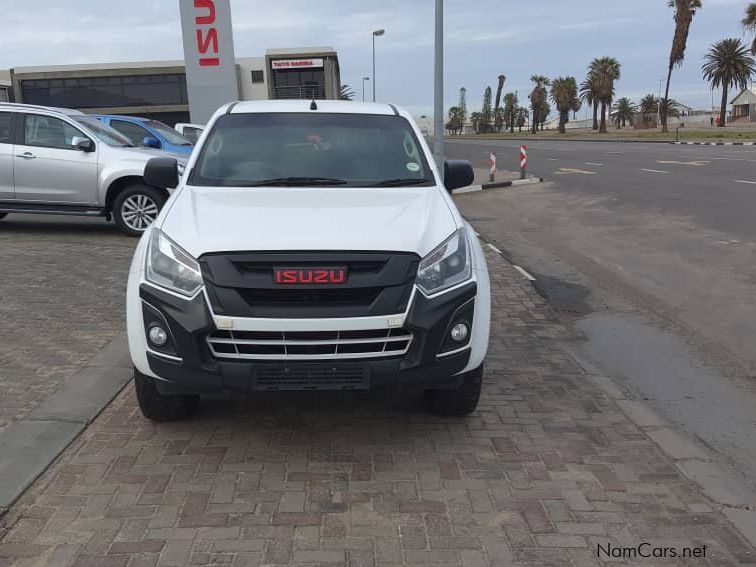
{"x": 308, "y": 246}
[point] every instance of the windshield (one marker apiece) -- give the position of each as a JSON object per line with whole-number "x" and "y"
{"x": 103, "y": 132}
{"x": 169, "y": 133}
{"x": 355, "y": 150}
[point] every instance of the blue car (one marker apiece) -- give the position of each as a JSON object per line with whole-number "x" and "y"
{"x": 149, "y": 133}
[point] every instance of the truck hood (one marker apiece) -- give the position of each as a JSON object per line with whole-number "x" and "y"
{"x": 214, "y": 219}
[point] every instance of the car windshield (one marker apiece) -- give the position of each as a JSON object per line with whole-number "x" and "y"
{"x": 312, "y": 149}
{"x": 169, "y": 133}
{"x": 103, "y": 132}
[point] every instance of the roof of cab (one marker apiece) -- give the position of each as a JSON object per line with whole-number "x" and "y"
{"x": 329, "y": 106}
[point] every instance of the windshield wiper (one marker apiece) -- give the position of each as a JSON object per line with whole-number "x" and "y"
{"x": 297, "y": 182}
{"x": 400, "y": 182}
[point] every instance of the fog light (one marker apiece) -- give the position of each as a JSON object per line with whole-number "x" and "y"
{"x": 459, "y": 332}
{"x": 158, "y": 336}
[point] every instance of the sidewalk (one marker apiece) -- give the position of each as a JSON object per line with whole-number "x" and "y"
{"x": 549, "y": 468}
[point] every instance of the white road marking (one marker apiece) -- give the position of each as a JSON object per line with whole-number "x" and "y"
{"x": 655, "y": 171}
{"x": 696, "y": 163}
{"x": 492, "y": 247}
{"x": 554, "y": 159}
{"x": 614, "y": 153}
{"x": 734, "y": 159}
{"x": 748, "y": 182}
{"x": 524, "y": 273}
{"x": 596, "y": 164}
{"x": 566, "y": 170}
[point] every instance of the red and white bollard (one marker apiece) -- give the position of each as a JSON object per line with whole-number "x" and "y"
{"x": 523, "y": 161}
{"x": 492, "y": 164}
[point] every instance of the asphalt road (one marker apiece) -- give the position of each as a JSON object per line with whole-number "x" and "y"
{"x": 650, "y": 248}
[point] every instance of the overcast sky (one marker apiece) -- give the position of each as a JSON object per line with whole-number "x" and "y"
{"x": 484, "y": 38}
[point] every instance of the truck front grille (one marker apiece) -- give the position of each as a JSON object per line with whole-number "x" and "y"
{"x": 317, "y": 345}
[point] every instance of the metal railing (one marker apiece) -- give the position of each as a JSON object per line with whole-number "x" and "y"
{"x": 301, "y": 91}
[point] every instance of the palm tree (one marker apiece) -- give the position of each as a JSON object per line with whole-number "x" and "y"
{"x": 346, "y": 93}
{"x": 499, "y": 119}
{"x": 476, "y": 118}
{"x": 589, "y": 92}
{"x": 684, "y": 12}
{"x": 604, "y": 71}
{"x": 510, "y": 108}
{"x": 522, "y": 117}
{"x": 624, "y": 112}
{"x": 538, "y": 96}
{"x": 749, "y": 23}
{"x": 455, "y": 124}
{"x": 564, "y": 93}
{"x": 499, "y": 88}
{"x": 728, "y": 64}
{"x": 649, "y": 107}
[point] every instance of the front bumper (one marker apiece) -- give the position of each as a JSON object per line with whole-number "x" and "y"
{"x": 187, "y": 365}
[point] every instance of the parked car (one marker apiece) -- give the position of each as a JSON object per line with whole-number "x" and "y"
{"x": 312, "y": 246}
{"x": 63, "y": 162}
{"x": 191, "y": 132}
{"x": 148, "y": 133}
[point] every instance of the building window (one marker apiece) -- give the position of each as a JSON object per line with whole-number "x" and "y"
{"x": 4, "y": 94}
{"x": 258, "y": 77}
{"x": 295, "y": 83}
{"x": 104, "y": 92}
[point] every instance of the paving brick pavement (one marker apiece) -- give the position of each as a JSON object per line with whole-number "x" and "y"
{"x": 62, "y": 286}
{"x": 547, "y": 469}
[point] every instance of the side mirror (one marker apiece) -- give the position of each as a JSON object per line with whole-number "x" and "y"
{"x": 162, "y": 172}
{"x": 457, "y": 173}
{"x": 83, "y": 144}
{"x": 152, "y": 142}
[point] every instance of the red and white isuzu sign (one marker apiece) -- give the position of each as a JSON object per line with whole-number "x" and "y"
{"x": 297, "y": 64}
{"x": 208, "y": 55}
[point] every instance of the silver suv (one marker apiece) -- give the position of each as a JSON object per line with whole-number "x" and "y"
{"x": 63, "y": 162}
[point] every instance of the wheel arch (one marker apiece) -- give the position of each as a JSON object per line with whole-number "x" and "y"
{"x": 122, "y": 183}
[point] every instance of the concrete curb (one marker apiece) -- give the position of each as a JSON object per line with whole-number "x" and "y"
{"x": 714, "y": 143}
{"x": 499, "y": 185}
{"x": 736, "y": 501}
{"x": 31, "y": 444}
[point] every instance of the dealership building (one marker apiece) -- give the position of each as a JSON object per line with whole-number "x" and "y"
{"x": 158, "y": 90}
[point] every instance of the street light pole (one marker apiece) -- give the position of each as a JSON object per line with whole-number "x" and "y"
{"x": 376, "y": 33}
{"x": 438, "y": 112}
{"x": 363, "y": 87}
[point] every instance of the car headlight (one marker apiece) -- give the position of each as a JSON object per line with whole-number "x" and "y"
{"x": 447, "y": 266}
{"x": 170, "y": 267}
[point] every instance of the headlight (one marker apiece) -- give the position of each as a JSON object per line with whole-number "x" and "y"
{"x": 170, "y": 267}
{"x": 447, "y": 266}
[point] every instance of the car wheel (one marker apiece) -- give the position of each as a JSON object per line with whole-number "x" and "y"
{"x": 461, "y": 401}
{"x": 158, "y": 407}
{"x": 136, "y": 208}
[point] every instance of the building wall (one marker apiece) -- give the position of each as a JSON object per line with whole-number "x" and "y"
{"x": 156, "y": 89}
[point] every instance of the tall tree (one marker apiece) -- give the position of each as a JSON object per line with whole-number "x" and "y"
{"x": 499, "y": 88}
{"x": 728, "y": 64}
{"x": 589, "y": 93}
{"x": 522, "y": 117}
{"x": 462, "y": 105}
{"x": 684, "y": 12}
{"x": 475, "y": 118}
{"x": 538, "y": 97}
{"x": 564, "y": 93}
{"x": 455, "y": 124}
{"x": 510, "y": 108}
{"x": 486, "y": 113}
{"x": 749, "y": 23}
{"x": 605, "y": 71}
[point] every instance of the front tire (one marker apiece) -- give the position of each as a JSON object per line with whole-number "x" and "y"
{"x": 158, "y": 407}
{"x": 136, "y": 208}
{"x": 458, "y": 402}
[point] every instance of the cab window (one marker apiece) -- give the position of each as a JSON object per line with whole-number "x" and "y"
{"x": 5, "y": 128}
{"x": 49, "y": 132}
